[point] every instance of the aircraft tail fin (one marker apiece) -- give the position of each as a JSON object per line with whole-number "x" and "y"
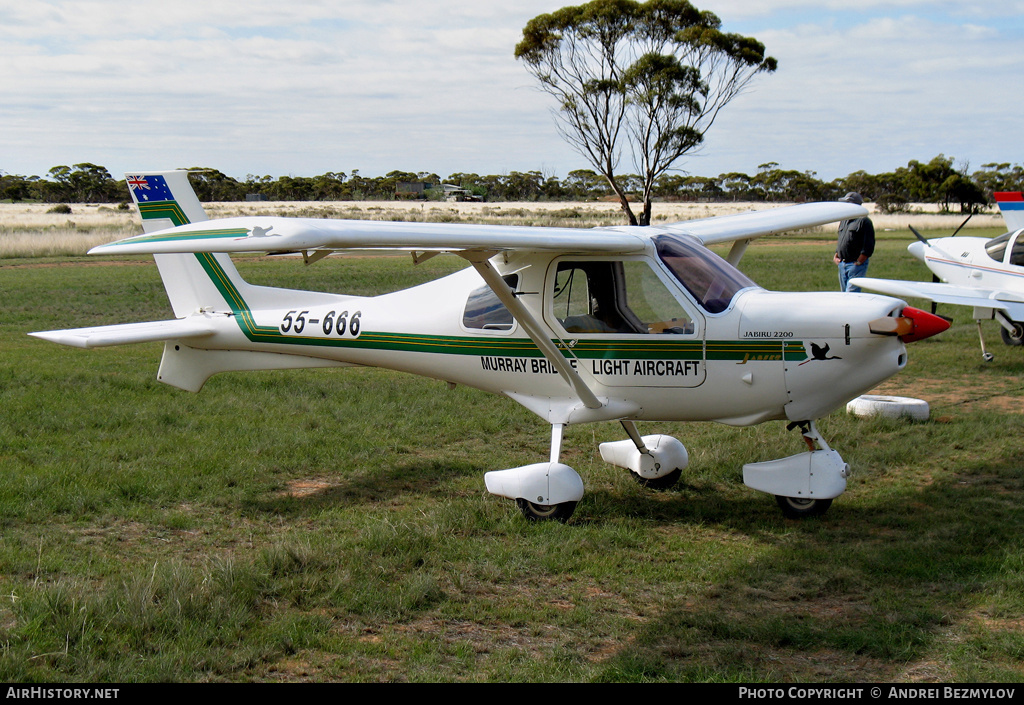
{"x": 1011, "y": 205}
{"x": 166, "y": 199}
{"x": 202, "y": 287}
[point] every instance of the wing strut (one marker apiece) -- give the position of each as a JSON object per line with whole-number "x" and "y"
{"x": 736, "y": 253}
{"x": 481, "y": 262}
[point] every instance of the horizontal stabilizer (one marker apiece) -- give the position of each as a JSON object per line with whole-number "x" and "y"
{"x": 151, "y": 331}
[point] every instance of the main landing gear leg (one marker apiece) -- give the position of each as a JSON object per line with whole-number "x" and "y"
{"x": 536, "y": 511}
{"x": 543, "y": 491}
{"x": 656, "y": 462}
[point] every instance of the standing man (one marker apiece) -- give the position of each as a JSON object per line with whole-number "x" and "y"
{"x": 855, "y": 245}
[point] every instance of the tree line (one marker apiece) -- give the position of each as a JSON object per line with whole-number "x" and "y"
{"x": 936, "y": 181}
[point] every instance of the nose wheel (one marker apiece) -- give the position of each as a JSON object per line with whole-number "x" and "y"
{"x": 799, "y": 508}
{"x": 546, "y": 512}
{"x": 802, "y": 507}
{"x": 805, "y": 484}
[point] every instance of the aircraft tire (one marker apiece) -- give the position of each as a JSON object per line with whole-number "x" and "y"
{"x": 799, "y": 508}
{"x": 546, "y": 512}
{"x": 658, "y": 483}
{"x": 888, "y": 407}
{"x": 1016, "y": 337}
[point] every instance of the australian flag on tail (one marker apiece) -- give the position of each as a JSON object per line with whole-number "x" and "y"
{"x": 149, "y": 188}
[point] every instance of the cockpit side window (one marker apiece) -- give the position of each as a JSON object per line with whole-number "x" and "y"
{"x": 709, "y": 278}
{"x": 484, "y": 311}
{"x": 616, "y": 296}
{"x": 996, "y": 247}
{"x": 1017, "y": 251}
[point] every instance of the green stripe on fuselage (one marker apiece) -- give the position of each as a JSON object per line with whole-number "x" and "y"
{"x": 662, "y": 348}
{"x": 651, "y": 348}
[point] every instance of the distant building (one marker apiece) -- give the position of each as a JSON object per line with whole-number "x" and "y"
{"x": 412, "y": 189}
{"x": 454, "y": 193}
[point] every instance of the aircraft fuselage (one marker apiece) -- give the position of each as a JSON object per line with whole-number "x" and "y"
{"x": 765, "y": 355}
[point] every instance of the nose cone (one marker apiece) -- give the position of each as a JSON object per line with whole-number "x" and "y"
{"x": 917, "y": 249}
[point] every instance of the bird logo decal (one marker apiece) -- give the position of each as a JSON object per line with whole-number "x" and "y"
{"x": 820, "y": 352}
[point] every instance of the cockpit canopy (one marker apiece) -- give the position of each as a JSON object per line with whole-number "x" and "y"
{"x": 996, "y": 247}
{"x": 625, "y": 294}
{"x": 711, "y": 280}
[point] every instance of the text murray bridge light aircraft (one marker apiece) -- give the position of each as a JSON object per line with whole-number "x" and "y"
{"x": 984, "y": 274}
{"x": 619, "y": 324}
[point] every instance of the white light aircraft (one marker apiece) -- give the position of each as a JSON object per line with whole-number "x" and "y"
{"x": 619, "y": 324}
{"x": 984, "y": 274}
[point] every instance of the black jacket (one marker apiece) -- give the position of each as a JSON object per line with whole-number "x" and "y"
{"x": 856, "y": 237}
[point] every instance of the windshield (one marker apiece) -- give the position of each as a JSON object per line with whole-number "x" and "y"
{"x": 996, "y": 247}
{"x": 709, "y": 278}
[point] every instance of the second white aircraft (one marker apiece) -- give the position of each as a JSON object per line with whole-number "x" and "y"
{"x": 986, "y": 275}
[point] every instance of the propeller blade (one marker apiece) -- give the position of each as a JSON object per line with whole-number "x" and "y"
{"x": 962, "y": 225}
{"x": 917, "y": 234}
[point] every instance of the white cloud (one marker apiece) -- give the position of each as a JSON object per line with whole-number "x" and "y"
{"x": 303, "y": 88}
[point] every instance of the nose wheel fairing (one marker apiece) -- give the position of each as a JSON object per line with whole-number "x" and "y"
{"x": 804, "y": 482}
{"x": 819, "y": 474}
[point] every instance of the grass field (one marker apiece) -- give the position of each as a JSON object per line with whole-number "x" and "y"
{"x": 333, "y": 525}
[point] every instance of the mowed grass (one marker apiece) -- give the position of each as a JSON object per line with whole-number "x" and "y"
{"x": 333, "y": 525}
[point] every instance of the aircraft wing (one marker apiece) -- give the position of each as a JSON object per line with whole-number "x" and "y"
{"x": 278, "y": 234}
{"x": 746, "y": 226}
{"x": 1011, "y": 303}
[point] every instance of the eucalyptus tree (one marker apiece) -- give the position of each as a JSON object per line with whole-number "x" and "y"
{"x": 647, "y": 78}
{"x": 83, "y": 183}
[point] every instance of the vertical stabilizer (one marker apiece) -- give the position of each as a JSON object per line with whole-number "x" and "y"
{"x": 1011, "y": 205}
{"x": 166, "y": 199}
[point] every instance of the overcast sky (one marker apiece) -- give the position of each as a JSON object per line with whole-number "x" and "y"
{"x": 305, "y": 87}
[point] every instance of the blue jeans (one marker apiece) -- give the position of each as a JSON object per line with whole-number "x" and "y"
{"x": 849, "y": 270}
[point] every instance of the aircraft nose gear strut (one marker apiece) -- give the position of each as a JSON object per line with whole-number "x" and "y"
{"x": 805, "y": 431}
{"x": 804, "y": 484}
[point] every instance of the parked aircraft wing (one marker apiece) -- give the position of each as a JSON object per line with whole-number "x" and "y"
{"x": 279, "y": 234}
{"x": 1011, "y": 303}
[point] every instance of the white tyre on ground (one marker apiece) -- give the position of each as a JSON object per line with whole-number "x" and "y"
{"x": 888, "y": 407}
